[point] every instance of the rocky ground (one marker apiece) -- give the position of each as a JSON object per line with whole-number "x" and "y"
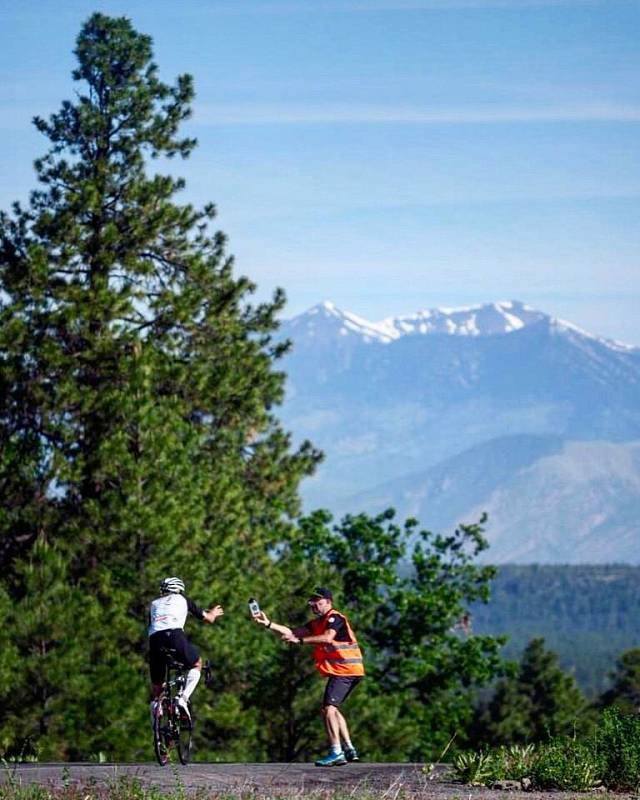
{"x": 384, "y": 781}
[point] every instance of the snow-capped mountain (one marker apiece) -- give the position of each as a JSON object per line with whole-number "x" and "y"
{"x": 391, "y": 400}
{"x": 325, "y": 321}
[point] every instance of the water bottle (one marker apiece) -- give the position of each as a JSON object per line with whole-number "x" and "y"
{"x": 254, "y": 608}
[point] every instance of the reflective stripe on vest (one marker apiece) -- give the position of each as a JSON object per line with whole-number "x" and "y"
{"x": 339, "y": 658}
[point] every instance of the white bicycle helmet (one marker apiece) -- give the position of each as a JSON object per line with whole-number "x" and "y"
{"x": 172, "y": 586}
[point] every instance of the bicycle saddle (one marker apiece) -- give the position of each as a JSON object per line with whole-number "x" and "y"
{"x": 170, "y": 654}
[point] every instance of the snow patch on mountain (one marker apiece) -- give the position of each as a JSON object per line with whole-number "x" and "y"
{"x": 325, "y": 321}
{"x": 481, "y": 320}
{"x": 562, "y": 326}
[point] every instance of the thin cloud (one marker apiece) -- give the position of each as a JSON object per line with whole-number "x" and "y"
{"x": 336, "y": 115}
{"x": 453, "y": 5}
{"x": 319, "y": 6}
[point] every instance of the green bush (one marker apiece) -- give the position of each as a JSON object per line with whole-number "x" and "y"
{"x": 485, "y": 768}
{"x": 565, "y": 763}
{"x": 615, "y": 745}
{"x": 610, "y": 756}
{"x": 512, "y": 763}
{"x": 475, "y": 769}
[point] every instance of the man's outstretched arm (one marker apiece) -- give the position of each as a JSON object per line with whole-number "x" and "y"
{"x": 302, "y": 636}
{"x": 284, "y": 631}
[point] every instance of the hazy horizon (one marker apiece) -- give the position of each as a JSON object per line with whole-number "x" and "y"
{"x": 389, "y": 155}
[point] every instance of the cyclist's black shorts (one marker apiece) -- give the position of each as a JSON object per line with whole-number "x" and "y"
{"x": 338, "y": 688}
{"x": 185, "y": 653}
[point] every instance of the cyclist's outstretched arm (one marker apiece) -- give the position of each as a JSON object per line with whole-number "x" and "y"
{"x": 206, "y": 615}
{"x": 212, "y": 614}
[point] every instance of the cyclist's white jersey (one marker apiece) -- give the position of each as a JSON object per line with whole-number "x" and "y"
{"x": 168, "y": 612}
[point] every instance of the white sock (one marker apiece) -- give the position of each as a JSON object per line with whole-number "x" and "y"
{"x": 193, "y": 676}
{"x": 347, "y": 744}
{"x": 336, "y": 748}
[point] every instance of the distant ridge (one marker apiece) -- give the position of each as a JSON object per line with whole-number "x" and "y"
{"x": 573, "y": 501}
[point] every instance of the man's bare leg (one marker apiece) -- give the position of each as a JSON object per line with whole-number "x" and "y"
{"x": 331, "y": 717}
{"x": 342, "y": 727}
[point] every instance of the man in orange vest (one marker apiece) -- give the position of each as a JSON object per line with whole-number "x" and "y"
{"x": 338, "y": 657}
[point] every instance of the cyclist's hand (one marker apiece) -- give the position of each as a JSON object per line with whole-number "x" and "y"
{"x": 213, "y": 613}
{"x": 262, "y": 618}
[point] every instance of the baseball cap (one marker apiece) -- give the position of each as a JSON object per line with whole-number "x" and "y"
{"x": 321, "y": 591}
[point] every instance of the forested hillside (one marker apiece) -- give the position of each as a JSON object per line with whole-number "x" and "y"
{"x": 587, "y": 614}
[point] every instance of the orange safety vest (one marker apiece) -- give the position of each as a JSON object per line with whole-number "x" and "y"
{"x": 336, "y": 658}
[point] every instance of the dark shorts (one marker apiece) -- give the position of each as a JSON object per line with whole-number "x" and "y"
{"x": 338, "y": 689}
{"x": 181, "y": 648}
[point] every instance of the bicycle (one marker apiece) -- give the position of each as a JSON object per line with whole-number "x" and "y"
{"x": 170, "y": 725}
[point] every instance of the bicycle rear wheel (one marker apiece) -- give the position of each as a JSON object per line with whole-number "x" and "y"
{"x": 162, "y": 738}
{"x": 184, "y": 730}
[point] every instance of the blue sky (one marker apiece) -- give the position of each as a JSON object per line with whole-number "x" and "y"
{"x": 389, "y": 155}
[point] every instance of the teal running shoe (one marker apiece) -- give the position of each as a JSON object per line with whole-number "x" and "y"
{"x": 351, "y": 754}
{"x": 332, "y": 760}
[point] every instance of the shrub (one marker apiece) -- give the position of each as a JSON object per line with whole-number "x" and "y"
{"x": 505, "y": 763}
{"x": 610, "y": 756}
{"x": 615, "y": 745}
{"x": 565, "y": 763}
{"x": 512, "y": 763}
{"x": 473, "y": 768}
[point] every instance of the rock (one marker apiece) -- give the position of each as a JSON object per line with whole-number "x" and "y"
{"x": 508, "y": 786}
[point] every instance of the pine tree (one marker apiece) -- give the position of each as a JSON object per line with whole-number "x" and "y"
{"x": 539, "y": 701}
{"x": 625, "y": 689}
{"x": 137, "y": 433}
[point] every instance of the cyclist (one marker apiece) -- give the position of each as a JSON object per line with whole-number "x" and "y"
{"x": 167, "y": 616}
{"x": 338, "y": 658}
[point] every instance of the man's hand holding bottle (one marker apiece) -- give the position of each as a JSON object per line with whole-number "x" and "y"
{"x": 257, "y": 615}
